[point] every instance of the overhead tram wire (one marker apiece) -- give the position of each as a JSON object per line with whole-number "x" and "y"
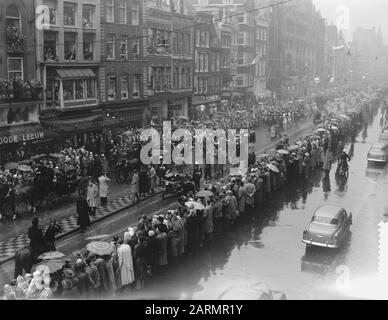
{"x": 180, "y": 29}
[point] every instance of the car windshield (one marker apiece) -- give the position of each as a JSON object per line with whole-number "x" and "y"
{"x": 325, "y": 220}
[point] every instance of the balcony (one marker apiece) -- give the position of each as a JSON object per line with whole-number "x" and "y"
{"x": 19, "y": 91}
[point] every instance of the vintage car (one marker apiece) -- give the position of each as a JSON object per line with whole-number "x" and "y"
{"x": 383, "y": 138}
{"x": 328, "y": 228}
{"x": 378, "y": 153}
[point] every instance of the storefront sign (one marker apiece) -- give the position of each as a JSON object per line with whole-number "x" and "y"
{"x": 21, "y": 137}
{"x": 205, "y": 99}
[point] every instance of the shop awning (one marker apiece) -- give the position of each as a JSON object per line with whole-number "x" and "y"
{"x": 85, "y": 123}
{"x": 79, "y": 73}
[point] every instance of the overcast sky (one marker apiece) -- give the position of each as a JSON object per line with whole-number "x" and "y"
{"x": 366, "y": 13}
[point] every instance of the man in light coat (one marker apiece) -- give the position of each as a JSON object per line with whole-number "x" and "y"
{"x": 250, "y": 197}
{"x": 104, "y": 187}
{"x": 124, "y": 253}
{"x": 92, "y": 195}
{"x": 152, "y": 176}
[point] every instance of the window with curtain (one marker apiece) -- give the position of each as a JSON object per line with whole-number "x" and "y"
{"x": 110, "y": 10}
{"x": 15, "y": 68}
{"x": 123, "y": 47}
{"x": 88, "y": 46}
{"x": 69, "y": 10}
{"x": 135, "y": 13}
{"x": 111, "y": 88}
{"x": 88, "y": 15}
{"x": 69, "y": 48}
{"x": 123, "y": 11}
{"x": 136, "y": 86}
{"x": 13, "y": 17}
{"x": 124, "y": 87}
{"x": 110, "y": 46}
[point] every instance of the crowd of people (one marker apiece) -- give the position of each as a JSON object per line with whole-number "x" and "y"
{"x": 155, "y": 242}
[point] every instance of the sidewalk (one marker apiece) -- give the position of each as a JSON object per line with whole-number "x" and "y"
{"x": 15, "y": 238}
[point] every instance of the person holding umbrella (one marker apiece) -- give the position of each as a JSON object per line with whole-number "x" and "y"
{"x": 83, "y": 213}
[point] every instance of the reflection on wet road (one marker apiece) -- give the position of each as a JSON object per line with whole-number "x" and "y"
{"x": 268, "y": 247}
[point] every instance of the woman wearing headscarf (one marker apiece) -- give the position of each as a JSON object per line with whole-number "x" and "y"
{"x": 140, "y": 258}
{"x": 83, "y": 213}
{"x": 92, "y": 195}
{"x": 208, "y": 221}
{"x": 161, "y": 238}
{"x": 124, "y": 253}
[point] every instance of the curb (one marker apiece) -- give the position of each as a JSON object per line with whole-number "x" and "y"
{"x": 63, "y": 235}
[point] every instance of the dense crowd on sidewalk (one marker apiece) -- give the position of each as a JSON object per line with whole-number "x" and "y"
{"x": 155, "y": 242}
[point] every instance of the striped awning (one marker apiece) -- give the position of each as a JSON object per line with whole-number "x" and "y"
{"x": 78, "y": 73}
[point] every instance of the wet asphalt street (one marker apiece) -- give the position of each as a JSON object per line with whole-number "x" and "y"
{"x": 267, "y": 247}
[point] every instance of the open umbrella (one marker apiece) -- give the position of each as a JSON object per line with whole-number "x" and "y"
{"x": 294, "y": 147}
{"x": 51, "y": 255}
{"x": 321, "y": 130}
{"x": 272, "y": 168}
{"x": 49, "y": 266}
{"x": 282, "y": 151}
{"x": 197, "y": 205}
{"x": 26, "y": 162}
{"x": 205, "y": 194}
{"x": 38, "y": 156}
{"x": 99, "y": 237}
{"x": 261, "y": 156}
{"x": 56, "y": 155}
{"x": 334, "y": 128}
{"x": 24, "y": 167}
{"x": 100, "y": 248}
{"x": 11, "y": 165}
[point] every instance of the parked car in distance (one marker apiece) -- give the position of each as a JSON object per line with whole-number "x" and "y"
{"x": 328, "y": 227}
{"x": 378, "y": 153}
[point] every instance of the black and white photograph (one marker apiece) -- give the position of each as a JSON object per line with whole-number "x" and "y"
{"x": 219, "y": 151}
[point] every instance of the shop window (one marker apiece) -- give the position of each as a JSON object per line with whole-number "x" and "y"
{"x": 124, "y": 87}
{"x": 88, "y": 46}
{"x": 15, "y": 68}
{"x": 135, "y": 13}
{"x": 53, "y": 10}
{"x": 18, "y": 115}
{"x": 91, "y": 89}
{"x": 70, "y": 45}
{"x": 88, "y": 15}
{"x": 123, "y": 11}
{"x": 50, "y": 46}
{"x": 123, "y": 47}
{"x": 111, "y": 88}
{"x": 79, "y": 89}
{"x": 136, "y": 86}
{"x": 110, "y": 10}
{"x": 110, "y": 47}
{"x": 69, "y": 10}
{"x": 68, "y": 90}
